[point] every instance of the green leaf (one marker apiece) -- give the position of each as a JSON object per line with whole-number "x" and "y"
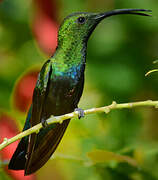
{"x": 102, "y": 156}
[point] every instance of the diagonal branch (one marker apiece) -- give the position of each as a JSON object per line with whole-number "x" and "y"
{"x": 60, "y": 119}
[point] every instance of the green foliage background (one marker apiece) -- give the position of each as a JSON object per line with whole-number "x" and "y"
{"x": 120, "y": 52}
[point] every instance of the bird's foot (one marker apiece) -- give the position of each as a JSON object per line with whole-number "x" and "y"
{"x": 44, "y": 123}
{"x": 80, "y": 112}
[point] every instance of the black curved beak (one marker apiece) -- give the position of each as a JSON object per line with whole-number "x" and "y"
{"x": 141, "y": 12}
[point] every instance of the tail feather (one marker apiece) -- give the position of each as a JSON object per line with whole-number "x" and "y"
{"x": 18, "y": 159}
{"x": 45, "y": 148}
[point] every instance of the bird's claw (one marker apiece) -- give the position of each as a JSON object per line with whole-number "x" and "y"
{"x": 44, "y": 123}
{"x": 80, "y": 112}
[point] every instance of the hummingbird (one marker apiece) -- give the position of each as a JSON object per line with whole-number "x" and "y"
{"x": 58, "y": 89}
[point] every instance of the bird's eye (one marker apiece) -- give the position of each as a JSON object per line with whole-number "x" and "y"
{"x": 81, "y": 20}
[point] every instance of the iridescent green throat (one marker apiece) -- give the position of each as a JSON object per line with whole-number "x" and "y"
{"x": 70, "y": 53}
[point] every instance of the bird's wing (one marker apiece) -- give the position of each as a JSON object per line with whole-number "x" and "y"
{"x": 42, "y": 145}
{"x": 46, "y": 147}
{"x": 39, "y": 95}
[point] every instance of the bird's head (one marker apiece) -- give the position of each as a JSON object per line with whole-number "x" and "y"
{"x": 79, "y": 26}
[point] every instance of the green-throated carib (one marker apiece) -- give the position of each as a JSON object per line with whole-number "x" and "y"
{"x": 59, "y": 88}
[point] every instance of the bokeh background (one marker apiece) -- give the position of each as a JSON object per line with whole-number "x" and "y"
{"x": 121, "y": 145}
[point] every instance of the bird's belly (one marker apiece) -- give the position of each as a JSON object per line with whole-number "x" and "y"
{"x": 61, "y": 97}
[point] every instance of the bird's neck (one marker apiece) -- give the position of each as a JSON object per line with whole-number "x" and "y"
{"x": 71, "y": 53}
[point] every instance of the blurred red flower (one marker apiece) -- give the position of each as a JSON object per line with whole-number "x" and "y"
{"x": 9, "y": 129}
{"x": 45, "y": 26}
{"x": 22, "y": 95}
{"x": 45, "y": 29}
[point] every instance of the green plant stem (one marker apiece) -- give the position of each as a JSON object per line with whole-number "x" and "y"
{"x": 60, "y": 119}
